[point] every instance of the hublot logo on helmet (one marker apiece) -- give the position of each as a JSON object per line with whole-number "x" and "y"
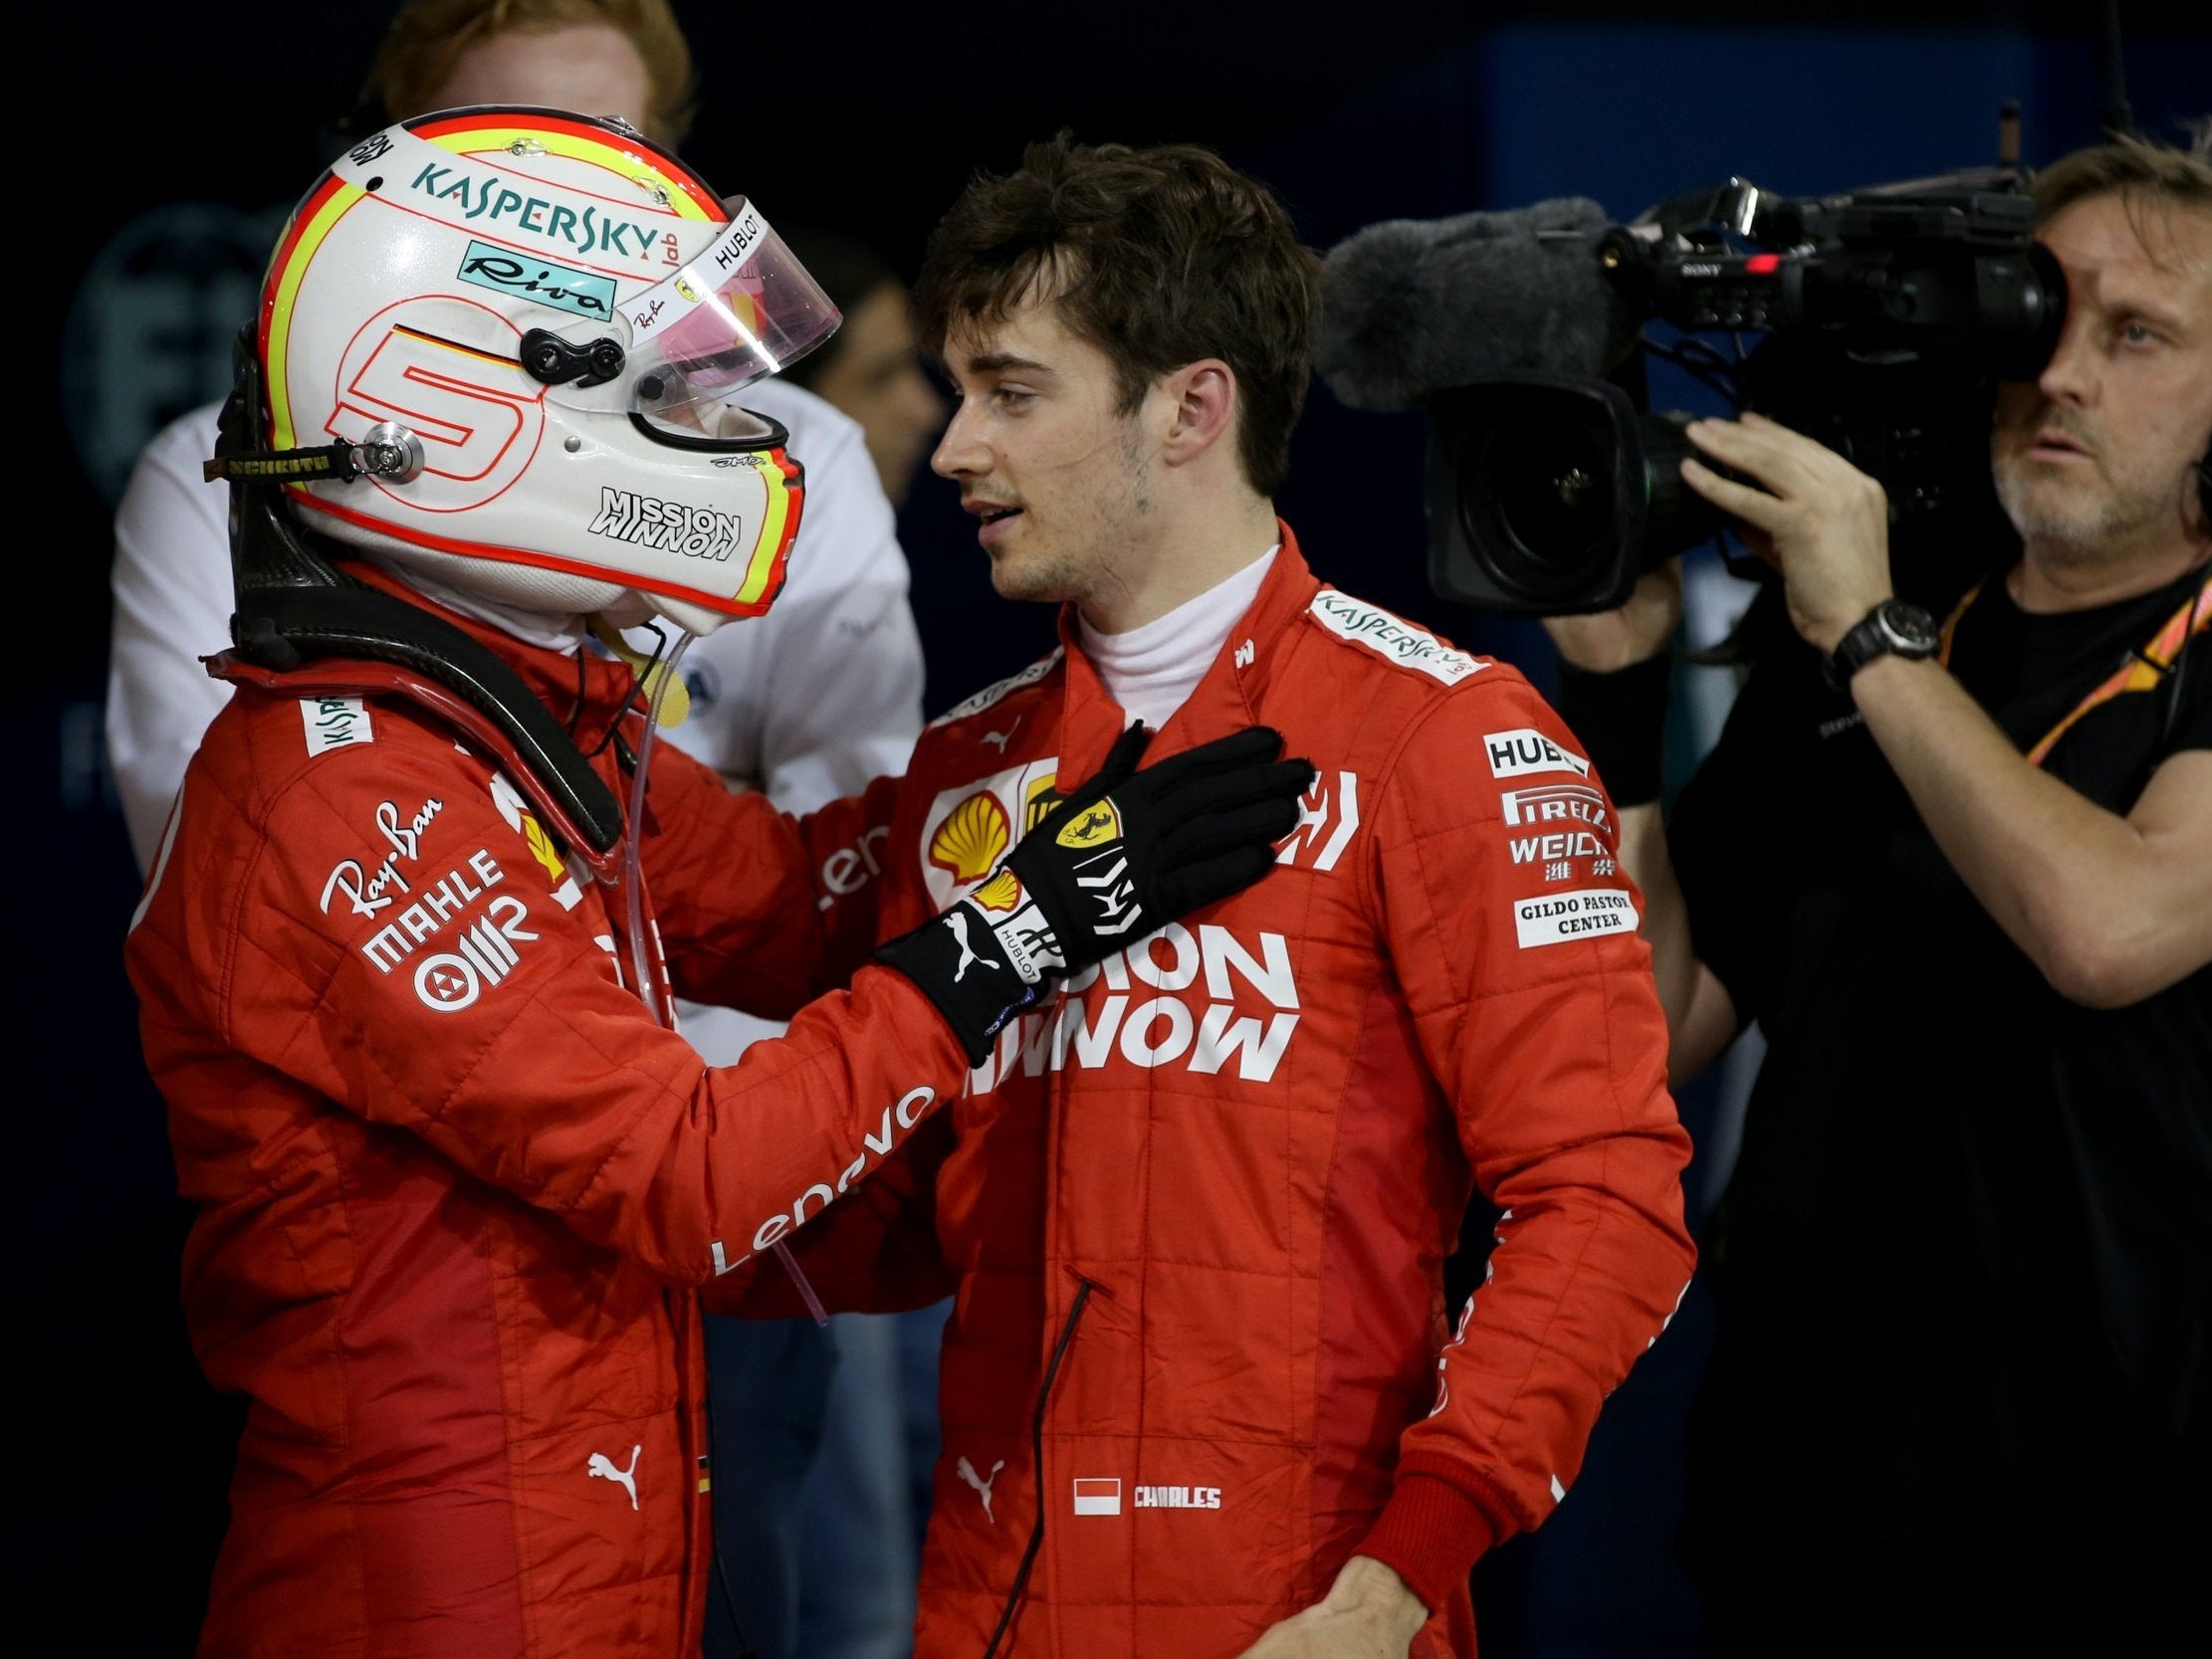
{"x": 670, "y": 527}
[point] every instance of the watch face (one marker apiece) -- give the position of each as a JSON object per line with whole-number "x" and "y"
{"x": 1912, "y": 627}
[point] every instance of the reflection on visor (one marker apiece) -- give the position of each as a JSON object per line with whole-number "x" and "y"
{"x": 720, "y": 340}
{"x": 743, "y": 309}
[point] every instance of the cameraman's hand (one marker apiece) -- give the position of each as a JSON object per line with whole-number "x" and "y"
{"x": 1816, "y": 518}
{"x": 1604, "y": 641}
{"x": 1126, "y": 851}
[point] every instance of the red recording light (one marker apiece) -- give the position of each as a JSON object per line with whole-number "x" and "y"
{"x": 1762, "y": 264}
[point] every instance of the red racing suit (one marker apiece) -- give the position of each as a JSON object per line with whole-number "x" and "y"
{"x": 1218, "y": 1177}
{"x": 456, "y": 1185}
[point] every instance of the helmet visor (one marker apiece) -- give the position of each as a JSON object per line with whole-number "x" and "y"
{"x": 743, "y": 309}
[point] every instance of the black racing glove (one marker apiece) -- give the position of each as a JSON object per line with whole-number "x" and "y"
{"x": 1123, "y": 853}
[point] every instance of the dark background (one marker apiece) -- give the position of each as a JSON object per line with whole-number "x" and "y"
{"x": 184, "y": 133}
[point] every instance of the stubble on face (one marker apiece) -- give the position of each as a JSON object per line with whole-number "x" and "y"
{"x": 2100, "y": 499}
{"x": 1081, "y": 559}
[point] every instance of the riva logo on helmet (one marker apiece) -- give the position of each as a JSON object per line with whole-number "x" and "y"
{"x": 496, "y": 201}
{"x": 577, "y": 292}
{"x": 671, "y": 527}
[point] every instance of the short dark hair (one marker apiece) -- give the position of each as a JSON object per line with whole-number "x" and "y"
{"x": 1158, "y": 256}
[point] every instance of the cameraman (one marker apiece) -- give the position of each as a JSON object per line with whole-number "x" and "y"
{"x": 1959, "y": 870}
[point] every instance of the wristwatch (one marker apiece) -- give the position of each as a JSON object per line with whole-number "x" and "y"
{"x": 1893, "y": 627}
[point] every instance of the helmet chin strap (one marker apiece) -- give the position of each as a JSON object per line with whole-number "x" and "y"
{"x": 386, "y": 449}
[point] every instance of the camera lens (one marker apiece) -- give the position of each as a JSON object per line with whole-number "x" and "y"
{"x": 1539, "y": 497}
{"x": 1551, "y": 496}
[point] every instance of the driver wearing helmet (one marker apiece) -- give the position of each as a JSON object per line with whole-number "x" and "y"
{"x": 406, "y": 953}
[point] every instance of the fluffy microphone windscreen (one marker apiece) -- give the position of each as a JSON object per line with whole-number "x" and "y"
{"x": 1410, "y": 307}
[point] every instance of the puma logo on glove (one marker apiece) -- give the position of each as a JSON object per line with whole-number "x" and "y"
{"x": 958, "y": 921}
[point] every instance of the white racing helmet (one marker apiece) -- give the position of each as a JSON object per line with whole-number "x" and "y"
{"x": 524, "y": 328}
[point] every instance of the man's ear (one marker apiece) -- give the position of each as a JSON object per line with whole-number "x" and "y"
{"x": 1202, "y": 409}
